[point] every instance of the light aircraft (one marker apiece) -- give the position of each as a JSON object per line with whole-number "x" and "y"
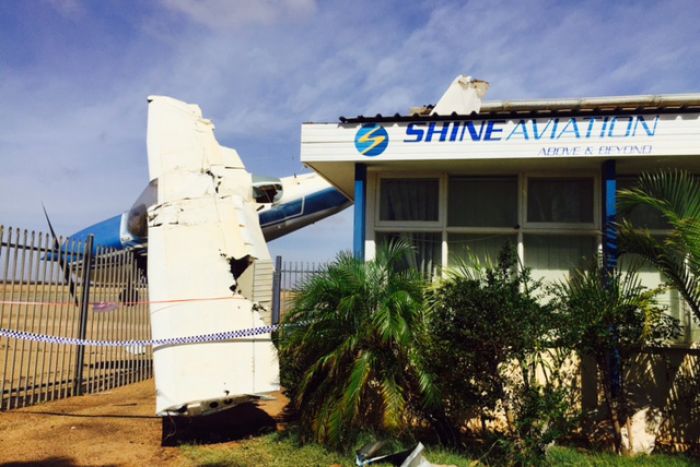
{"x": 284, "y": 205}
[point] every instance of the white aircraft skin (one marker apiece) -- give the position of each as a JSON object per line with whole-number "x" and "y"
{"x": 204, "y": 241}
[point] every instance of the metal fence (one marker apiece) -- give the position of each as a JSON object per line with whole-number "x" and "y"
{"x": 71, "y": 291}
{"x": 47, "y": 289}
{"x": 289, "y": 276}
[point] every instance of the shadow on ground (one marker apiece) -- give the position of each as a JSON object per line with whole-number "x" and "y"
{"x": 239, "y": 422}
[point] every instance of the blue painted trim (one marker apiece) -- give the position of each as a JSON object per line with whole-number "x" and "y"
{"x": 358, "y": 238}
{"x": 610, "y": 257}
{"x": 609, "y": 226}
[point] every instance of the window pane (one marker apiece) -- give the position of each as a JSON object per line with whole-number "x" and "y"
{"x": 483, "y": 201}
{"x": 651, "y": 278}
{"x": 426, "y": 256}
{"x": 641, "y": 216}
{"x": 414, "y": 199}
{"x": 551, "y": 257}
{"x": 560, "y": 200}
{"x": 485, "y": 247}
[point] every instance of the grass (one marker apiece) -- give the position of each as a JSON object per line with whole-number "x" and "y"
{"x": 280, "y": 450}
{"x": 566, "y": 456}
{"x": 272, "y": 450}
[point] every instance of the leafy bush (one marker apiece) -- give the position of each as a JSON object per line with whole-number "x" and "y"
{"x": 348, "y": 350}
{"x": 542, "y": 415}
{"x": 489, "y": 327}
{"x": 368, "y": 348}
{"x": 608, "y": 315}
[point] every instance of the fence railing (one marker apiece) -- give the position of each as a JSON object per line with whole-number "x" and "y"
{"x": 68, "y": 289}
{"x": 54, "y": 287}
{"x": 289, "y": 276}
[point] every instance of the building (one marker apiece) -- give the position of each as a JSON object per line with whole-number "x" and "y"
{"x": 470, "y": 176}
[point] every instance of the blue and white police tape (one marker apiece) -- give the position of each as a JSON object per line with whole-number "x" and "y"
{"x": 213, "y": 337}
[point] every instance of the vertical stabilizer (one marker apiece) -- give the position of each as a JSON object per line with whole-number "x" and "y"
{"x": 205, "y": 243}
{"x": 462, "y": 97}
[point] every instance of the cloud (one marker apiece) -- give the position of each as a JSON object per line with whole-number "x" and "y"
{"x": 219, "y": 14}
{"x": 72, "y": 130}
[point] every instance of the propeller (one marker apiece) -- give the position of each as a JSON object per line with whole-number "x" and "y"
{"x": 61, "y": 259}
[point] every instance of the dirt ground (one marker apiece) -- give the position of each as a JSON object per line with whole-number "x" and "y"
{"x": 116, "y": 427}
{"x": 38, "y": 370}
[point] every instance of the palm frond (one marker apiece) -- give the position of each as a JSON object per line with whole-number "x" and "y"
{"x": 355, "y": 326}
{"x": 675, "y": 195}
{"x": 394, "y": 403}
{"x": 668, "y": 257}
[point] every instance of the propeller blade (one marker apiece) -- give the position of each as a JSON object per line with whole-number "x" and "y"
{"x": 61, "y": 260}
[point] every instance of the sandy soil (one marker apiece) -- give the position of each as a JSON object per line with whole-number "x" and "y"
{"x": 115, "y": 428}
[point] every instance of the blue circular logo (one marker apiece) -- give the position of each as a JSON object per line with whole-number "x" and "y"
{"x": 371, "y": 139}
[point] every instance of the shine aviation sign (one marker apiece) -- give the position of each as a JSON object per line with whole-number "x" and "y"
{"x": 555, "y": 137}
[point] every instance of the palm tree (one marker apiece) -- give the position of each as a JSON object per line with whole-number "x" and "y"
{"x": 602, "y": 312}
{"x": 675, "y": 195}
{"x": 349, "y": 349}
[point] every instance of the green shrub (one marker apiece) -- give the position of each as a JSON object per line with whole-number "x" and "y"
{"x": 608, "y": 315}
{"x": 349, "y": 350}
{"x": 481, "y": 318}
{"x": 489, "y": 328}
{"x": 542, "y": 415}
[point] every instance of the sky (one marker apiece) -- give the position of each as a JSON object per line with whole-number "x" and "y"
{"x": 74, "y": 77}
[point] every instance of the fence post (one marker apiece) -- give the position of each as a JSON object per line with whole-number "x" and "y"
{"x": 84, "y": 304}
{"x": 276, "y": 290}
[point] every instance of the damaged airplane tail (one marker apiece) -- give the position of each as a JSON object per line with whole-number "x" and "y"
{"x": 202, "y": 223}
{"x": 204, "y": 241}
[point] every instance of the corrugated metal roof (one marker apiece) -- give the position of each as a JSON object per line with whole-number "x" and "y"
{"x": 618, "y": 105}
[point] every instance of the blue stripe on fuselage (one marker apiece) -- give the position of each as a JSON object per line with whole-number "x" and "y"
{"x": 107, "y": 232}
{"x": 319, "y": 201}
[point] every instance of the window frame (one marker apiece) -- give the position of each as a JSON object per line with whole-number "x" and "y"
{"x": 483, "y": 229}
{"x": 654, "y": 232}
{"x": 559, "y": 227}
{"x": 412, "y": 225}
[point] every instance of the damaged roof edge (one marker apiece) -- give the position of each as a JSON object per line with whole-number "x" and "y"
{"x": 586, "y": 105}
{"x": 659, "y": 101}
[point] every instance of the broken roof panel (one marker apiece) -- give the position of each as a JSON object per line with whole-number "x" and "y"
{"x": 619, "y": 105}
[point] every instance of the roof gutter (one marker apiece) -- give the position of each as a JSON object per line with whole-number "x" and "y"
{"x": 661, "y": 101}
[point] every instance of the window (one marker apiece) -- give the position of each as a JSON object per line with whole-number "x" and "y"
{"x": 426, "y": 255}
{"x": 482, "y": 202}
{"x": 485, "y": 247}
{"x": 551, "y": 257}
{"x": 670, "y": 299}
{"x": 644, "y": 217}
{"x": 560, "y": 200}
{"x": 413, "y": 199}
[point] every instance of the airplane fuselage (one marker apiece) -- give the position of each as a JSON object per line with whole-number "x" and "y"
{"x": 284, "y": 206}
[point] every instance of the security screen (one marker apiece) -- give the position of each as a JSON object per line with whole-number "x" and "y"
{"x": 482, "y": 202}
{"x": 552, "y": 256}
{"x": 412, "y": 199}
{"x": 484, "y": 246}
{"x": 644, "y": 217}
{"x": 560, "y": 200}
